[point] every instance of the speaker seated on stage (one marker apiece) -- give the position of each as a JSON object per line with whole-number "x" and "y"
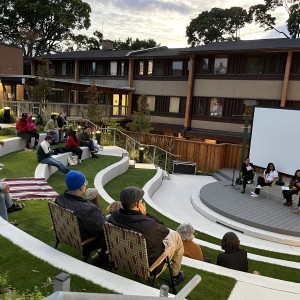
{"x": 247, "y": 173}
{"x": 269, "y": 176}
{"x": 292, "y": 189}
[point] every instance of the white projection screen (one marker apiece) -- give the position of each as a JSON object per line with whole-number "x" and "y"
{"x": 275, "y": 138}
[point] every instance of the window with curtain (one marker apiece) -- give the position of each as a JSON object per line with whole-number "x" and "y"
{"x": 216, "y": 107}
{"x": 113, "y": 68}
{"x": 220, "y": 66}
{"x": 177, "y": 68}
{"x": 174, "y": 105}
{"x": 151, "y": 102}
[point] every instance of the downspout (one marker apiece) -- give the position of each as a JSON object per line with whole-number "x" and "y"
{"x": 286, "y": 79}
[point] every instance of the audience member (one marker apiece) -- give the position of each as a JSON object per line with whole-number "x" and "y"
{"x": 32, "y": 130}
{"x": 22, "y": 131}
{"x": 133, "y": 216}
{"x": 52, "y": 128}
{"x": 84, "y": 138}
{"x": 92, "y": 195}
{"x": 269, "y": 176}
{"x": 6, "y": 203}
{"x": 72, "y": 145}
{"x": 248, "y": 170}
{"x": 293, "y": 188}
{"x": 114, "y": 206}
{"x": 39, "y": 120}
{"x": 191, "y": 249}
{"x": 62, "y": 125}
{"x": 44, "y": 155}
{"x": 91, "y": 218}
{"x": 234, "y": 257}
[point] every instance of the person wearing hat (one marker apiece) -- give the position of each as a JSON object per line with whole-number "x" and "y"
{"x": 91, "y": 218}
{"x": 23, "y": 132}
{"x": 92, "y": 195}
{"x": 134, "y": 216}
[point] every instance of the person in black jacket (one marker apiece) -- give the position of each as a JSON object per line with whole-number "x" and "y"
{"x": 134, "y": 216}
{"x": 233, "y": 257}
{"x": 248, "y": 170}
{"x": 90, "y": 217}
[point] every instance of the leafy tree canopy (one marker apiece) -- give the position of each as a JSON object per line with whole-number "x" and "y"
{"x": 216, "y": 25}
{"x": 38, "y": 26}
{"x": 130, "y": 44}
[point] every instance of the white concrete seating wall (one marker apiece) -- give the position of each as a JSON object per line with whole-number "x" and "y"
{"x": 16, "y": 144}
{"x": 45, "y": 171}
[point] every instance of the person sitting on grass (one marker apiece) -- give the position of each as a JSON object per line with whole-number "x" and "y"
{"x": 133, "y": 216}
{"x": 6, "y": 203}
{"x": 44, "y": 155}
{"x": 234, "y": 257}
{"x": 90, "y": 217}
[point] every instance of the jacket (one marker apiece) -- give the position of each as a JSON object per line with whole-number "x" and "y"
{"x": 51, "y": 125}
{"x": 90, "y": 217}
{"x": 71, "y": 142}
{"x": 21, "y": 125}
{"x": 153, "y": 231}
{"x": 43, "y": 151}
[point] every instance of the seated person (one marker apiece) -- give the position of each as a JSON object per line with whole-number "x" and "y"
{"x": 247, "y": 171}
{"x": 84, "y": 138}
{"x": 52, "y": 128}
{"x": 6, "y": 203}
{"x": 133, "y": 216}
{"x": 269, "y": 176}
{"x": 294, "y": 188}
{"x": 233, "y": 257}
{"x": 22, "y": 131}
{"x": 114, "y": 206}
{"x": 92, "y": 195}
{"x": 62, "y": 125}
{"x": 32, "y": 130}
{"x": 72, "y": 145}
{"x": 44, "y": 155}
{"x": 191, "y": 249}
{"x": 90, "y": 217}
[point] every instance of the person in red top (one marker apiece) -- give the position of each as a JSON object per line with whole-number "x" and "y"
{"x": 32, "y": 129}
{"x": 22, "y": 129}
{"x": 72, "y": 145}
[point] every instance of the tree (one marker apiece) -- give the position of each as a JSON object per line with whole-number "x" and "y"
{"x": 130, "y": 44}
{"x": 261, "y": 14}
{"x": 141, "y": 119}
{"x": 94, "y": 111}
{"x": 38, "y": 26}
{"x": 216, "y": 25}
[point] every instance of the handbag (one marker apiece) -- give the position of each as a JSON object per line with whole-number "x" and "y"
{"x": 72, "y": 160}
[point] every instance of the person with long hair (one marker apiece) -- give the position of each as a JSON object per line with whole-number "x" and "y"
{"x": 234, "y": 257}
{"x": 294, "y": 188}
{"x": 72, "y": 145}
{"x": 248, "y": 170}
{"x": 269, "y": 176}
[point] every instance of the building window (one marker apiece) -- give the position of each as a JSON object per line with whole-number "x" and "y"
{"x": 113, "y": 68}
{"x": 122, "y": 68}
{"x": 141, "y": 69}
{"x": 216, "y": 107}
{"x": 94, "y": 68}
{"x": 204, "y": 65}
{"x": 177, "y": 68}
{"x": 151, "y": 102}
{"x": 158, "y": 68}
{"x": 174, "y": 105}
{"x": 249, "y": 106}
{"x": 255, "y": 65}
{"x": 100, "y": 68}
{"x": 273, "y": 65}
{"x": 220, "y": 66}
{"x": 150, "y": 67}
{"x": 64, "y": 68}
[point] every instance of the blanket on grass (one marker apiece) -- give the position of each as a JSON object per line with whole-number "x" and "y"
{"x": 29, "y": 188}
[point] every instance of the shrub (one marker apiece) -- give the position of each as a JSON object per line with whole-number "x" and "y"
{"x": 8, "y": 131}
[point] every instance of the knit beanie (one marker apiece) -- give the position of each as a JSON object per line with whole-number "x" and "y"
{"x": 91, "y": 193}
{"x": 74, "y": 180}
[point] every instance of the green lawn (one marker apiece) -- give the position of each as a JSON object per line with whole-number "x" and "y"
{"x": 35, "y": 220}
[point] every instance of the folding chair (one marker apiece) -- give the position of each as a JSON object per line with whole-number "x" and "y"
{"x": 127, "y": 251}
{"x": 66, "y": 228}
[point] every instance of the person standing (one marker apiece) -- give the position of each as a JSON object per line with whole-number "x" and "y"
{"x": 22, "y": 131}
{"x": 248, "y": 170}
{"x": 44, "y": 154}
{"x": 269, "y": 176}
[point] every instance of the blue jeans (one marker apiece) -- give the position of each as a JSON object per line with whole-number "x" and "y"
{"x": 53, "y": 162}
{"x": 5, "y": 203}
{"x": 89, "y": 144}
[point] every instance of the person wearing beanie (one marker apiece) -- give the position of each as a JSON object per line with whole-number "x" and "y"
{"x": 44, "y": 155}
{"x": 92, "y": 195}
{"x": 91, "y": 218}
{"x": 134, "y": 216}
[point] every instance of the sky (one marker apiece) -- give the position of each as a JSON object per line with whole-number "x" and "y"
{"x": 165, "y": 21}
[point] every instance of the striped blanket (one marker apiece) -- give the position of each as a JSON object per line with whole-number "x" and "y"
{"x": 29, "y": 188}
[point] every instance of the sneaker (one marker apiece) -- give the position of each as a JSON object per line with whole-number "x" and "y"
{"x": 288, "y": 203}
{"x": 15, "y": 207}
{"x": 243, "y": 192}
{"x": 179, "y": 278}
{"x": 15, "y": 223}
{"x": 1, "y": 165}
{"x": 79, "y": 161}
{"x": 254, "y": 195}
{"x": 27, "y": 149}
{"x": 258, "y": 187}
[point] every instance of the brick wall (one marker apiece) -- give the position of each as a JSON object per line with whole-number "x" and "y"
{"x": 11, "y": 60}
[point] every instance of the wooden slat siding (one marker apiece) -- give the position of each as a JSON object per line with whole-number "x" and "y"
{"x": 209, "y": 157}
